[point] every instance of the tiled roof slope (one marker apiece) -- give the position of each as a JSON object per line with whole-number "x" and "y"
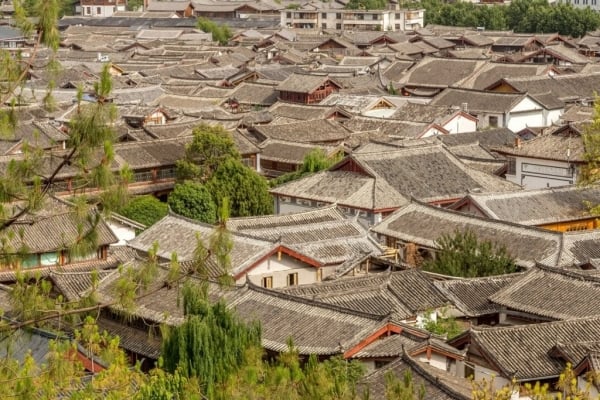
{"x": 470, "y": 296}
{"x": 325, "y": 234}
{"x": 423, "y": 224}
{"x": 523, "y": 351}
{"x": 315, "y": 328}
{"x": 552, "y": 293}
{"x": 543, "y": 205}
{"x": 404, "y": 293}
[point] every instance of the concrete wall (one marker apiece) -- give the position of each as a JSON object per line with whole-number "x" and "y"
{"x": 437, "y": 360}
{"x": 538, "y": 174}
{"x": 121, "y": 231}
{"x": 460, "y": 124}
{"x": 279, "y": 269}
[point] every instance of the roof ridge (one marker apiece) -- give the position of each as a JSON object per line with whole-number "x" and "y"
{"x": 251, "y": 286}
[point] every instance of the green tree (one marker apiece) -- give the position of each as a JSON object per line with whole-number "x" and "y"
{"x": 193, "y": 200}
{"x": 526, "y": 16}
{"x": 462, "y": 254}
{"x": 316, "y": 160}
{"x": 246, "y": 191}
{"x": 589, "y": 173}
{"x": 220, "y": 32}
{"x": 367, "y": 4}
{"x": 210, "y": 147}
{"x": 212, "y": 342}
{"x": 145, "y": 209}
{"x": 134, "y": 5}
{"x": 443, "y": 325}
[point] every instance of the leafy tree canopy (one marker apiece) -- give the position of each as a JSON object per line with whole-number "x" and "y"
{"x": 145, "y": 209}
{"x": 316, "y": 160}
{"x": 220, "y": 32}
{"x": 367, "y": 4}
{"x": 193, "y": 200}
{"x": 210, "y": 147}
{"x": 246, "y": 190}
{"x": 524, "y": 16}
{"x": 462, "y": 254}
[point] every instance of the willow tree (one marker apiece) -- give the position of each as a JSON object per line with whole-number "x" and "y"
{"x": 212, "y": 342}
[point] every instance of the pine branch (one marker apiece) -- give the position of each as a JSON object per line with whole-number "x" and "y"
{"x": 45, "y": 188}
{"x": 15, "y": 325}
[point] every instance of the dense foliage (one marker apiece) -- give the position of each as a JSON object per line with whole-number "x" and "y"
{"x": 134, "y": 5}
{"x": 212, "y": 160}
{"x": 523, "y": 16}
{"x": 248, "y": 192}
{"x": 145, "y": 209}
{"x": 193, "y": 200}
{"x": 316, "y": 160}
{"x": 220, "y": 32}
{"x": 211, "y": 344}
{"x": 367, "y": 4}
{"x": 462, "y": 254}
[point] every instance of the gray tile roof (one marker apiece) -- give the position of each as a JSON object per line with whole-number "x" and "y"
{"x": 301, "y": 111}
{"x": 440, "y": 72}
{"x": 523, "y": 351}
{"x": 387, "y": 347}
{"x": 418, "y": 112}
{"x": 324, "y": 234}
{"x": 544, "y": 206}
{"x": 315, "y": 328}
{"x": 403, "y": 293}
{"x": 428, "y": 172}
{"x": 289, "y": 152}
{"x": 438, "y": 384}
{"x": 552, "y": 293}
{"x": 315, "y": 131}
{"x": 550, "y": 147}
{"x": 423, "y": 224}
{"x": 489, "y": 139}
{"x": 392, "y": 175}
{"x": 478, "y": 101}
{"x": 132, "y": 339}
{"x": 399, "y": 129}
{"x": 302, "y": 83}
{"x": 53, "y": 227}
{"x": 580, "y": 247}
{"x": 344, "y": 188}
{"x": 254, "y": 94}
{"x": 470, "y": 296}
{"x": 568, "y": 87}
{"x": 177, "y": 234}
{"x": 492, "y": 72}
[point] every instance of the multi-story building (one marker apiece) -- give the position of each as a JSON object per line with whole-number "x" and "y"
{"x": 100, "y": 8}
{"x": 356, "y": 20}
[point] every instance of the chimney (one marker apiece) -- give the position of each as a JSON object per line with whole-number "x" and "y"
{"x": 518, "y": 142}
{"x": 464, "y": 107}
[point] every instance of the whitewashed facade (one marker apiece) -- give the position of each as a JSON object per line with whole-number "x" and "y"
{"x": 359, "y": 20}
{"x": 539, "y": 173}
{"x": 100, "y": 8}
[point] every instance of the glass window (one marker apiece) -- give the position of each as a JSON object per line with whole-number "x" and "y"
{"x": 30, "y": 261}
{"x": 49, "y": 258}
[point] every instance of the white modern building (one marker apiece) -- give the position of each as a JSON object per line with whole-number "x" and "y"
{"x": 100, "y": 8}
{"x": 353, "y": 20}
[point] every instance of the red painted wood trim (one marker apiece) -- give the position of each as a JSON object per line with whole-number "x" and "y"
{"x": 385, "y": 330}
